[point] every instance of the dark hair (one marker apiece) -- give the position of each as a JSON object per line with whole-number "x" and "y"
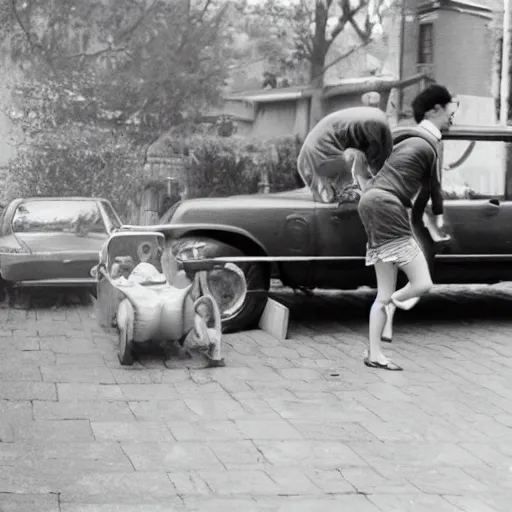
{"x": 427, "y": 99}
{"x": 371, "y": 134}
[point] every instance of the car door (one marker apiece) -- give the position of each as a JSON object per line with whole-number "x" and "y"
{"x": 478, "y": 212}
{"x": 339, "y": 233}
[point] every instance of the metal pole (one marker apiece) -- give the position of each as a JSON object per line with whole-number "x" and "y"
{"x": 401, "y": 63}
{"x": 505, "y": 65}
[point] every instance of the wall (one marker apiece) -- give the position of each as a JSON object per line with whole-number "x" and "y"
{"x": 240, "y": 109}
{"x": 290, "y": 118}
{"x": 301, "y": 127}
{"x": 276, "y": 119}
{"x": 463, "y": 57}
{"x": 410, "y": 55}
{"x": 351, "y": 100}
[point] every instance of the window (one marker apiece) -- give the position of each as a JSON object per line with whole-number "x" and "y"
{"x": 79, "y": 217}
{"x": 475, "y": 170}
{"x": 426, "y": 44}
{"x": 112, "y": 218}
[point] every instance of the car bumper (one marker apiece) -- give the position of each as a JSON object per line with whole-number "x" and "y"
{"x": 73, "y": 268}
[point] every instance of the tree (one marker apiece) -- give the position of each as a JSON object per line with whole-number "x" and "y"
{"x": 98, "y": 81}
{"x": 314, "y": 25}
{"x": 147, "y": 64}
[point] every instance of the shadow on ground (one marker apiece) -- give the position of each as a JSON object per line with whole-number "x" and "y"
{"x": 50, "y": 298}
{"x": 444, "y": 303}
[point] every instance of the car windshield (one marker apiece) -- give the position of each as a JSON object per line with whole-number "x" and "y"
{"x": 112, "y": 218}
{"x": 63, "y": 216}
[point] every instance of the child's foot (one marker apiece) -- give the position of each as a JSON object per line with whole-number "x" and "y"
{"x": 406, "y": 305}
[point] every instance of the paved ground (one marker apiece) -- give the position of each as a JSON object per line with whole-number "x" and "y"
{"x": 291, "y": 426}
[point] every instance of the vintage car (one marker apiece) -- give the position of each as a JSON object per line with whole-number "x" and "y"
{"x": 308, "y": 244}
{"x": 47, "y": 241}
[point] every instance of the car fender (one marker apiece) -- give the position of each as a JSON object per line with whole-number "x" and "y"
{"x": 225, "y": 233}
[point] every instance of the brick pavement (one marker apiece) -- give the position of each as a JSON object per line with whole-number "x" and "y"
{"x": 297, "y": 425}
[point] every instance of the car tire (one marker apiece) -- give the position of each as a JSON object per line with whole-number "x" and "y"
{"x": 257, "y": 277}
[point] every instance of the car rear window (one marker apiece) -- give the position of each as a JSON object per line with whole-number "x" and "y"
{"x": 64, "y": 216}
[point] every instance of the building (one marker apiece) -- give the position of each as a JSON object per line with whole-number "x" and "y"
{"x": 288, "y": 111}
{"x": 454, "y": 43}
{"x": 451, "y": 41}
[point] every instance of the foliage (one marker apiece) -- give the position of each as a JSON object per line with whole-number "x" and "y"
{"x": 147, "y": 64}
{"x": 313, "y": 27}
{"x": 219, "y": 166}
{"x": 463, "y": 192}
{"x": 78, "y": 164}
{"x": 92, "y": 82}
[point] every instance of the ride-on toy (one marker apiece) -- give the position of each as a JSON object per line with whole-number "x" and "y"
{"x": 134, "y": 295}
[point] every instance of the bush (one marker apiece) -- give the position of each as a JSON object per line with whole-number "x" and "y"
{"x": 75, "y": 163}
{"x": 284, "y": 175}
{"x": 224, "y": 166}
{"x": 80, "y": 163}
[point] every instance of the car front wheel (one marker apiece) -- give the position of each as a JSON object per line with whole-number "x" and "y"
{"x": 224, "y": 284}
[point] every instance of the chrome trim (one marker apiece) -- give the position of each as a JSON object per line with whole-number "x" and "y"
{"x": 270, "y": 259}
{"x": 82, "y": 281}
{"x": 474, "y": 256}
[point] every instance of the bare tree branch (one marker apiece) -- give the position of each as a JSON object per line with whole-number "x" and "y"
{"x": 341, "y": 57}
{"x": 138, "y": 5}
{"x": 346, "y": 17}
{"x": 26, "y": 31}
{"x": 131, "y": 29}
{"x": 92, "y": 55}
{"x": 203, "y": 12}
{"x": 363, "y": 35}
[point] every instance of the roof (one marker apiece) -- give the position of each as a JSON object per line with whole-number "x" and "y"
{"x": 271, "y": 95}
{"x": 345, "y": 86}
{"x": 462, "y": 6}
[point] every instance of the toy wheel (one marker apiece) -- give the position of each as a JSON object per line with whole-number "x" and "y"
{"x": 216, "y": 363}
{"x": 125, "y": 318}
{"x": 125, "y": 348}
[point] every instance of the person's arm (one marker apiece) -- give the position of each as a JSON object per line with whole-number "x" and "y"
{"x": 436, "y": 194}
{"x": 360, "y": 171}
{"x": 420, "y": 159}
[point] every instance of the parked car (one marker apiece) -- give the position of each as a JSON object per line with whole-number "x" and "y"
{"x": 50, "y": 241}
{"x": 309, "y": 245}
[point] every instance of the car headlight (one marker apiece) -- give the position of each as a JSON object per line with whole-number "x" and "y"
{"x": 12, "y": 250}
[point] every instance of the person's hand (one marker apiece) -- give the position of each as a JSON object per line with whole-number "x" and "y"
{"x": 439, "y": 221}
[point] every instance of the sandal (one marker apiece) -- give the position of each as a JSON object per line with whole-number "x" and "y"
{"x": 387, "y": 366}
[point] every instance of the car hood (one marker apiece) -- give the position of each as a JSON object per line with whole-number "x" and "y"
{"x": 300, "y": 193}
{"x": 62, "y": 242}
{"x": 219, "y": 209}
{"x": 248, "y": 200}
